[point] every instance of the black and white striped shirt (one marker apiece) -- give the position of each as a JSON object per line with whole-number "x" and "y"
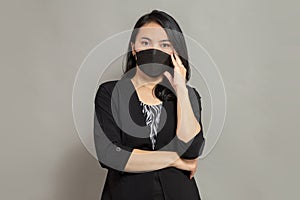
{"x": 152, "y": 113}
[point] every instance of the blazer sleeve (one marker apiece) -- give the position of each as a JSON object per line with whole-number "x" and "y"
{"x": 193, "y": 148}
{"x": 111, "y": 153}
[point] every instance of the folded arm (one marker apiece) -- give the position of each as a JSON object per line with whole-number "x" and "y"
{"x": 189, "y": 134}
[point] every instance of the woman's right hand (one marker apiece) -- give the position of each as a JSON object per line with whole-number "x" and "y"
{"x": 187, "y": 164}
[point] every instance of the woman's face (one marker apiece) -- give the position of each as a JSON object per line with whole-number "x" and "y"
{"x": 152, "y": 36}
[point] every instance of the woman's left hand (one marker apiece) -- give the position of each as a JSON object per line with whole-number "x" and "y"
{"x": 194, "y": 169}
{"x": 187, "y": 164}
{"x": 178, "y": 80}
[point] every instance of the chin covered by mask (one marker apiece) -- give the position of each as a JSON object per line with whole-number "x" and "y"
{"x": 154, "y": 62}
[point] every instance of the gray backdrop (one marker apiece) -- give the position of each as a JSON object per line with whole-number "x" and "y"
{"x": 254, "y": 43}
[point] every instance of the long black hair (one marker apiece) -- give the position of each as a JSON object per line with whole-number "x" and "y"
{"x": 177, "y": 40}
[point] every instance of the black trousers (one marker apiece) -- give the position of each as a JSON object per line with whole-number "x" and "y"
{"x": 158, "y": 193}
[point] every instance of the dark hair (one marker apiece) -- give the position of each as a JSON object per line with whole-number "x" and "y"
{"x": 177, "y": 40}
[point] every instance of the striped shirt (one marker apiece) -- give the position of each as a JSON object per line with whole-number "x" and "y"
{"x": 152, "y": 114}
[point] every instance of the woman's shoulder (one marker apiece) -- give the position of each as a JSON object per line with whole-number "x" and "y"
{"x": 105, "y": 88}
{"x": 108, "y": 84}
{"x": 120, "y": 84}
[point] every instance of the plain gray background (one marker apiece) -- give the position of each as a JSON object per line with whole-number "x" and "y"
{"x": 254, "y": 43}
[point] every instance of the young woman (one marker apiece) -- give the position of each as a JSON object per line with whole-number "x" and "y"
{"x": 147, "y": 128}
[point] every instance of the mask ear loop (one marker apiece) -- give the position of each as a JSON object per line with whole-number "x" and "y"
{"x": 134, "y": 55}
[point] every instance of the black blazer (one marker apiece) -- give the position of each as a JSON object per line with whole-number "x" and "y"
{"x": 119, "y": 127}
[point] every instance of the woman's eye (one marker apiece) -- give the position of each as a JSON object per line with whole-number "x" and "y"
{"x": 164, "y": 45}
{"x": 145, "y": 43}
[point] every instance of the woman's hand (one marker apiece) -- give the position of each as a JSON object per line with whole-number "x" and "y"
{"x": 178, "y": 81}
{"x": 194, "y": 167}
{"x": 187, "y": 164}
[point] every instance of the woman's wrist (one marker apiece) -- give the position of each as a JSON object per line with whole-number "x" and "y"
{"x": 181, "y": 89}
{"x": 175, "y": 160}
{"x": 175, "y": 163}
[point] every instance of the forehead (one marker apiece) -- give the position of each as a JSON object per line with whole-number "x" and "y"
{"x": 153, "y": 31}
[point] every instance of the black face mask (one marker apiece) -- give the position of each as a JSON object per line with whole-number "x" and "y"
{"x": 154, "y": 62}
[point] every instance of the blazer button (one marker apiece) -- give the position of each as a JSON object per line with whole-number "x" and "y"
{"x": 118, "y": 149}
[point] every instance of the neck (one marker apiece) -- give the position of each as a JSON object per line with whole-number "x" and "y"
{"x": 142, "y": 80}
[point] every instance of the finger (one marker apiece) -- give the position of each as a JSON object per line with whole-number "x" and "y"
{"x": 192, "y": 174}
{"x": 178, "y": 67}
{"x": 178, "y": 59}
{"x": 174, "y": 61}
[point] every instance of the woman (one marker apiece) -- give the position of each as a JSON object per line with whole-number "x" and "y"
{"x": 147, "y": 128}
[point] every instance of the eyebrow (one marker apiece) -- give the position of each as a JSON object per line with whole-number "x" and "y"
{"x": 165, "y": 40}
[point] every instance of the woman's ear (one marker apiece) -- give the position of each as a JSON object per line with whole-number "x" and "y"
{"x": 132, "y": 49}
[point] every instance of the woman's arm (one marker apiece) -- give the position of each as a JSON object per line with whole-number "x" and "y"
{"x": 144, "y": 160}
{"x": 187, "y": 124}
{"x": 194, "y": 147}
{"x": 189, "y": 134}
